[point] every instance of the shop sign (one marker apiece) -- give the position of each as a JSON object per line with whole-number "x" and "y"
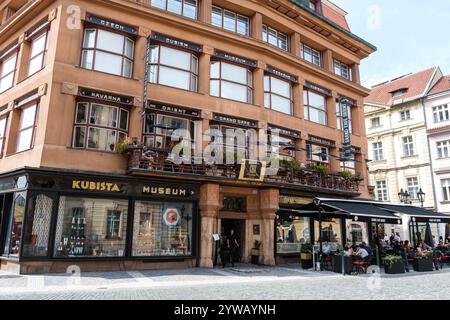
{"x": 252, "y": 170}
{"x": 349, "y": 101}
{"x": 435, "y": 220}
{"x": 236, "y": 121}
{"x": 168, "y": 191}
{"x": 111, "y": 24}
{"x": 287, "y": 199}
{"x": 347, "y": 147}
{"x": 285, "y": 132}
{"x": 175, "y": 110}
{"x": 106, "y": 96}
{"x": 282, "y": 74}
{"x": 229, "y": 57}
{"x": 95, "y": 186}
{"x": 321, "y": 141}
{"x": 176, "y": 42}
{"x": 321, "y": 90}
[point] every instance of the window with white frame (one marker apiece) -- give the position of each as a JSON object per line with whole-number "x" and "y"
{"x": 349, "y": 165}
{"x": 108, "y": 52}
{"x": 8, "y": 65}
{"x": 230, "y": 21}
{"x": 413, "y": 186}
{"x": 443, "y": 149}
{"x": 315, "y": 107}
{"x": 382, "y": 192}
{"x": 340, "y": 120}
{"x": 38, "y": 52}
{"x": 375, "y": 122}
{"x": 311, "y": 55}
{"x": 3, "y": 122}
{"x": 446, "y": 189}
{"x": 275, "y": 38}
{"x": 174, "y": 68}
{"x": 342, "y": 70}
{"x": 186, "y": 8}
{"x": 405, "y": 115}
{"x": 231, "y": 81}
{"x": 27, "y": 126}
{"x": 278, "y": 94}
{"x": 316, "y": 153}
{"x": 378, "y": 151}
{"x": 99, "y": 126}
{"x": 408, "y": 146}
{"x": 441, "y": 113}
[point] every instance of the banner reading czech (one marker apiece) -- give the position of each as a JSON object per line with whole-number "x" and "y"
{"x": 171, "y": 216}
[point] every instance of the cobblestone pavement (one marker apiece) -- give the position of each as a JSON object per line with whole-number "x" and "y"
{"x": 242, "y": 282}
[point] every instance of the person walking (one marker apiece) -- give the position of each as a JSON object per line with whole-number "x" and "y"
{"x": 233, "y": 246}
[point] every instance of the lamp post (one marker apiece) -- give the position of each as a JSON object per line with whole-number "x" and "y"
{"x": 317, "y": 202}
{"x": 404, "y": 197}
{"x": 421, "y": 196}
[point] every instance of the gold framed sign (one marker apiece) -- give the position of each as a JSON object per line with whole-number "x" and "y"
{"x": 252, "y": 170}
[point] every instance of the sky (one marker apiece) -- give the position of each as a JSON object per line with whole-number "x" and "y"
{"x": 410, "y": 35}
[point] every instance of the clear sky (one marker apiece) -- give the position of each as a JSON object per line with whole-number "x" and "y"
{"x": 411, "y": 35}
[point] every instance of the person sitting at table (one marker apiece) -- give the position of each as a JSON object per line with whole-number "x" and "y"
{"x": 442, "y": 247}
{"x": 407, "y": 247}
{"x": 361, "y": 253}
{"x": 348, "y": 252}
{"x": 326, "y": 248}
{"x": 367, "y": 248}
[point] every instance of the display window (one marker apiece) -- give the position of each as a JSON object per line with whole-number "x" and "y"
{"x": 357, "y": 232}
{"x": 291, "y": 233}
{"x": 331, "y": 232}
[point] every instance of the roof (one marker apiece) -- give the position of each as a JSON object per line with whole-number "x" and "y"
{"x": 415, "y": 83}
{"x": 335, "y": 14}
{"x": 442, "y": 85}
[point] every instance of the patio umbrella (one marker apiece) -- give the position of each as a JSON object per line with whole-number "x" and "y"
{"x": 429, "y": 236}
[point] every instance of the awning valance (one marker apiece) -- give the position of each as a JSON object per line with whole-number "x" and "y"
{"x": 416, "y": 213}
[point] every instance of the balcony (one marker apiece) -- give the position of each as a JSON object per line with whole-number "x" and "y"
{"x": 156, "y": 162}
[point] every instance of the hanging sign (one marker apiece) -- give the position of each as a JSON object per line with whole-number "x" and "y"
{"x": 282, "y": 74}
{"x": 176, "y": 42}
{"x": 317, "y": 88}
{"x": 229, "y": 57}
{"x": 347, "y": 146}
{"x": 109, "y": 97}
{"x": 284, "y": 132}
{"x": 111, "y": 24}
{"x": 171, "y": 216}
{"x": 175, "y": 110}
{"x": 237, "y": 121}
{"x": 252, "y": 170}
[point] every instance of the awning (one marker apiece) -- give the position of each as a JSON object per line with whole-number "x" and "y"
{"x": 416, "y": 213}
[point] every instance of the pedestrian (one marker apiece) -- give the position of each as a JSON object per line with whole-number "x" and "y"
{"x": 233, "y": 246}
{"x": 224, "y": 251}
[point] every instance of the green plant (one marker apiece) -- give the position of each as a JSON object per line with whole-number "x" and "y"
{"x": 290, "y": 164}
{"x": 346, "y": 174}
{"x": 423, "y": 255}
{"x": 123, "y": 146}
{"x": 319, "y": 168}
{"x": 391, "y": 259}
{"x": 306, "y": 248}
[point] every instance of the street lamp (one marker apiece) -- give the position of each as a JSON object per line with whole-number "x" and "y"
{"x": 421, "y": 196}
{"x": 317, "y": 202}
{"x": 404, "y": 197}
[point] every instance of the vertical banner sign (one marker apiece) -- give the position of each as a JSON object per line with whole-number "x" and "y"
{"x": 347, "y": 147}
{"x": 146, "y": 77}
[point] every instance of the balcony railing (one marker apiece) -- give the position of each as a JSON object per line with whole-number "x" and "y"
{"x": 157, "y": 161}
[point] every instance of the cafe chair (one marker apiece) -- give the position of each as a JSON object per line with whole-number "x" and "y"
{"x": 359, "y": 266}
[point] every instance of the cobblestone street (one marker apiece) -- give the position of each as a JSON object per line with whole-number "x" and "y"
{"x": 243, "y": 282}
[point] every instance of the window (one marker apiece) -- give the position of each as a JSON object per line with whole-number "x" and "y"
{"x": 99, "y": 127}
{"x": 231, "y": 81}
{"x": 446, "y": 189}
{"x": 234, "y": 143}
{"x": 331, "y": 232}
{"x": 38, "y": 53}
{"x": 291, "y": 233}
{"x": 3, "y": 122}
{"x": 277, "y": 147}
{"x": 441, "y": 113}
{"x": 357, "y": 232}
{"x": 186, "y": 8}
{"x": 382, "y": 192}
{"x": 342, "y": 70}
{"x": 278, "y": 94}
{"x": 173, "y": 68}
{"x": 7, "y": 71}
{"x": 162, "y": 229}
{"x": 275, "y": 38}
{"x": 349, "y": 165}
{"x": 13, "y": 239}
{"x": 340, "y": 124}
{"x": 85, "y": 226}
{"x": 230, "y": 21}
{"x": 375, "y": 122}
{"x": 107, "y": 52}
{"x": 408, "y": 146}
{"x": 405, "y": 115}
{"x": 378, "y": 151}
{"x": 311, "y": 55}
{"x": 399, "y": 93}
{"x": 315, "y": 107}
{"x": 27, "y": 126}
{"x": 413, "y": 187}
{"x": 316, "y": 153}
{"x": 443, "y": 149}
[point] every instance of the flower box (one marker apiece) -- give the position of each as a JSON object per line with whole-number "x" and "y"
{"x": 394, "y": 267}
{"x": 423, "y": 265}
{"x": 337, "y": 264}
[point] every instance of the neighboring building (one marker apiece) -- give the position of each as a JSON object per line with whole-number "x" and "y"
{"x": 72, "y": 78}
{"x": 437, "y": 110}
{"x": 397, "y": 139}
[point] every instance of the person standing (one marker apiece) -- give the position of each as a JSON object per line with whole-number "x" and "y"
{"x": 233, "y": 246}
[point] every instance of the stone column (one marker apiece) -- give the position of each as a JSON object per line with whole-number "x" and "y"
{"x": 327, "y": 57}
{"x": 209, "y": 210}
{"x": 355, "y": 73}
{"x": 205, "y": 70}
{"x": 205, "y": 11}
{"x": 258, "y": 84}
{"x": 295, "y": 44}
{"x": 297, "y": 93}
{"x": 257, "y": 24}
{"x": 269, "y": 205}
{"x": 22, "y": 59}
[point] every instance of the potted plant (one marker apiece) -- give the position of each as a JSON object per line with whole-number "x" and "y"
{"x": 346, "y": 174}
{"x": 125, "y": 145}
{"x": 306, "y": 255}
{"x": 423, "y": 262}
{"x": 256, "y": 252}
{"x": 394, "y": 264}
{"x": 320, "y": 168}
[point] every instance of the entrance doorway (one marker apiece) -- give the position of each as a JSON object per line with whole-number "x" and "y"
{"x": 239, "y": 230}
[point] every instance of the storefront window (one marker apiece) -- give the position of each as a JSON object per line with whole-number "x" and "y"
{"x": 15, "y": 226}
{"x": 162, "y": 229}
{"x": 331, "y": 232}
{"x": 99, "y": 127}
{"x": 357, "y": 232}
{"x": 36, "y": 234}
{"x": 173, "y": 68}
{"x": 91, "y": 227}
{"x": 231, "y": 81}
{"x": 292, "y": 232}
{"x": 107, "y": 52}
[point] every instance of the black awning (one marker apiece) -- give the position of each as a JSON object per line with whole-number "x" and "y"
{"x": 420, "y": 214}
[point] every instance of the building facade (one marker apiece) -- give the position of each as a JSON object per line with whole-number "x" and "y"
{"x": 79, "y": 77}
